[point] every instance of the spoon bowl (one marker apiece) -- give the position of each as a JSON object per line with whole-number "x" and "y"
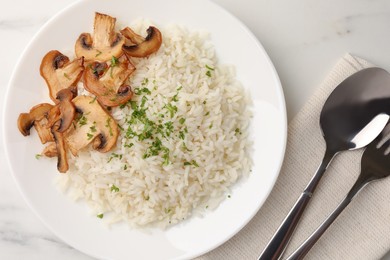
{"x": 354, "y": 114}
{"x": 357, "y": 110}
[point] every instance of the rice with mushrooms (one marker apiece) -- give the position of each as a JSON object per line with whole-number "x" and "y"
{"x": 183, "y": 143}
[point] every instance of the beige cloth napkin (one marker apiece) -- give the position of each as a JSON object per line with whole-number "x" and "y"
{"x": 362, "y": 231}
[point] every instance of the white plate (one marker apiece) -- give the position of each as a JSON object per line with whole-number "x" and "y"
{"x": 70, "y": 221}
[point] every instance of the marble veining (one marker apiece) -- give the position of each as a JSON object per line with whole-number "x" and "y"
{"x": 303, "y": 39}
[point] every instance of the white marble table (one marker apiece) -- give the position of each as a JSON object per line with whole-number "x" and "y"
{"x": 303, "y": 38}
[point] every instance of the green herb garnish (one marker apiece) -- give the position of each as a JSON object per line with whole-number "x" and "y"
{"x": 172, "y": 109}
{"x": 93, "y": 127}
{"x": 209, "y": 68}
{"x": 139, "y": 91}
{"x": 114, "y": 63}
{"x": 100, "y": 215}
{"x": 98, "y": 53}
{"x": 109, "y": 126}
{"x": 193, "y": 162}
{"x": 82, "y": 120}
{"x": 143, "y": 101}
{"x": 114, "y": 188}
{"x": 93, "y": 100}
{"x": 168, "y": 128}
{"x": 67, "y": 76}
{"x": 165, "y": 156}
{"x": 181, "y": 135}
{"x": 145, "y": 81}
{"x": 115, "y": 155}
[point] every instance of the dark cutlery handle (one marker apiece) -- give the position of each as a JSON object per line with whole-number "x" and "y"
{"x": 301, "y": 252}
{"x": 282, "y": 236}
{"x": 303, "y": 249}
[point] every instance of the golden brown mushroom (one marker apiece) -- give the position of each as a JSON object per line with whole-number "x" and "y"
{"x": 94, "y": 125}
{"x": 66, "y": 107}
{"x": 26, "y": 120}
{"x": 62, "y": 158}
{"x": 59, "y": 72}
{"x": 43, "y": 130}
{"x": 64, "y": 111}
{"x": 141, "y": 47}
{"x": 50, "y": 150}
{"x": 107, "y": 82}
{"x": 103, "y": 44}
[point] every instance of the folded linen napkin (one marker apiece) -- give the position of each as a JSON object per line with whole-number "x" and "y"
{"x": 362, "y": 231}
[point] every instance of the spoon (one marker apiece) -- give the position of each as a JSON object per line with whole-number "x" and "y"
{"x": 375, "y": 165}
{"x": 352, "y": 117}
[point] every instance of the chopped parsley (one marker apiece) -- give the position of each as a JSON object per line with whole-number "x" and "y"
{"x": 181, "y": 135}
{"x": 89, "y": 135}
{"x": 145, "y": 81}
{"x": 154, "y": 129}
{"x": 100, "y": 215}
{"x": 115, "y": 155}
{"x": 38, "y": 156}
{"x": 140, "y": 91}
{"x": 193, "y": 162}
{"x": 171, "y": 109}
{"x": 109, "y": 126}
{"x": 154, "y": 149}
{"x": 93, "y": 127}
{"x": 209, "y": 68}
{"x": 165, "y": 156}
{"x": 98, "y": 53}
{"x": 237, "y": 131}
{"x": 67, "y": 76}
{"x": 143, "y": 101}
{"x": 82, "y": 120}
{"x": 168, "y": 128}
{"x": 114, "y": 188}
{"x": 128, "y": 145}
{"x": 114, "y": 63}
{"x": 93, "y": 100}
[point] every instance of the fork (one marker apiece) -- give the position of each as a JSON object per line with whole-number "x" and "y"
{"x": 375, "y": 165}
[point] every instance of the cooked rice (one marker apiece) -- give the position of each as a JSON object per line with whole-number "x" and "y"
{"x": 207, "y": 145}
